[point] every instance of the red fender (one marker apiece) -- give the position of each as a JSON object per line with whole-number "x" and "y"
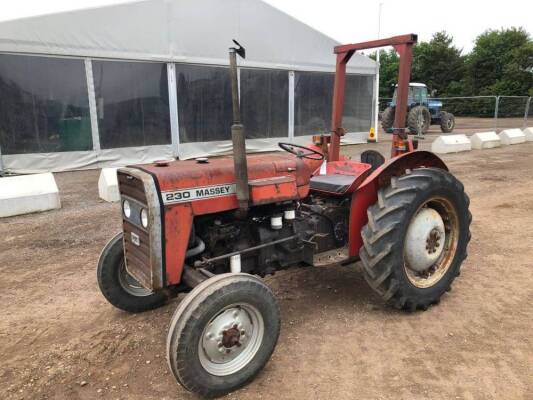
{"x": 367, "y": 193}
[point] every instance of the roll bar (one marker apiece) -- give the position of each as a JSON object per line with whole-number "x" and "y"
{"x": 404, "y": 47}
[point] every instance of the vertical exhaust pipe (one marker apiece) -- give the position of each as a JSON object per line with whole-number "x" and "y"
{"x": 237, "y": 134}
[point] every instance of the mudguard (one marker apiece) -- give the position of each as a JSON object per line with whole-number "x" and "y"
{"x": 367, "y": 193}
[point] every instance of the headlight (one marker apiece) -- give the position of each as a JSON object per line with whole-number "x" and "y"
{"x": 126, "y": 208}
{"x": 144, "y": 217}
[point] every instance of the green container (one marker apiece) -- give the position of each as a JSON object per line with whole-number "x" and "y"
{"x": 75, "y": 134}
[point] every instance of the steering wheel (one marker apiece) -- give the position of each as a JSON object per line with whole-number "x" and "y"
{"x": 311, "y": 155}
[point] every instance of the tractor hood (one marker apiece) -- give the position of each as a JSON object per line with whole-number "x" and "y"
{"x": 174, "y": 175}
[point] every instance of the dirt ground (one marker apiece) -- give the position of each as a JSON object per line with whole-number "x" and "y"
{"x": 59, "y": 338}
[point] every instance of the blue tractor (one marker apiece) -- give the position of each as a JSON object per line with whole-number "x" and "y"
{"x": 422, "y": 112}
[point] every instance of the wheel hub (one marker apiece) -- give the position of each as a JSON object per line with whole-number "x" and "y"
{"x": 421, "y": 121}
{"x": 424, "y": 242}
{"x": 432, "y": 242}
{"x": 231, "y": 339}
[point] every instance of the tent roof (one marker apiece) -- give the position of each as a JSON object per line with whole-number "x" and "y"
{"x": 191, "y": 31}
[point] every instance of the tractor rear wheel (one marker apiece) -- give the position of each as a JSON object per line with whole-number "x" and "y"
{"x": 222, "y": 334}
{"x": 447, "y": 122}
{"x": 120, "y": 288}
{"x": 387, "y": 119}
{"x": 416, "y": 238}
{"x": 418, "y": 120}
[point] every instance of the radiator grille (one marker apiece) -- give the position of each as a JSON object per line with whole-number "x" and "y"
{"x": 136, "y": 249}
{"x": 131, "y": 186}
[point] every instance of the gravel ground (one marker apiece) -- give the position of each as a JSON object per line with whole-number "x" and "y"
{"x": 60, "y": 339}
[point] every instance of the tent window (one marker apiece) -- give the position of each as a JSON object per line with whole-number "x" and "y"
{"x": 265, "y": 103}
{"x": 358, "y": 103}
{"x": 313, "y": 92}
{"x": 132, "y": 103}
{"x": 313, "y": 99}
{"x": 204, "y": 103}
{"x": 44, "y": 105}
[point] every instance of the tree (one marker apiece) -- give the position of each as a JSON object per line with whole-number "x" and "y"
{"x": 388, "y": 71}
{"x": 501, "y": 63}
{"x": 438, "y": 64}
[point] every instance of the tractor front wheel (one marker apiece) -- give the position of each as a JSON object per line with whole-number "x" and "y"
{"x": 416, "y": 238}
{"x": 447, "y": 122}
{"x": 222, "y": 334}
{"x": 120, "y": 288}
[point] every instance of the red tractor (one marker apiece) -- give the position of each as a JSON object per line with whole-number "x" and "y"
{"x": 214, "y": 226}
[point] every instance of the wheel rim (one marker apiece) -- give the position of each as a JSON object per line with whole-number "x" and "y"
{"x": 431, "y": 242}
{"x": 130, "y": 284}
{"x": 449, "y": 124}
{"x": 420, "y": 123}
{"x": 231, "y": 339}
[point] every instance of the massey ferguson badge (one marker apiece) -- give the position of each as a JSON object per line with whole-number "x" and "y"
{"x": 200, "y": 193}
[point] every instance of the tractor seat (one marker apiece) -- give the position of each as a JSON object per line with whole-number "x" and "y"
{"x": 342, "y": 177}
{"x": 335, "y": 184}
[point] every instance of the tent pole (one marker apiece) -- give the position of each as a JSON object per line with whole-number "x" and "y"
{"x": 173, "y": 105}
{"x": 93, "y": 111}
{"x": 291, "y": 106}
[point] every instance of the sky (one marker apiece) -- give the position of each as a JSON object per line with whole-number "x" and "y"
{"x": 349, "y": 21}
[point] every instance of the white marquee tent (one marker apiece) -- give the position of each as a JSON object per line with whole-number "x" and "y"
{"x": 149, "y": 80}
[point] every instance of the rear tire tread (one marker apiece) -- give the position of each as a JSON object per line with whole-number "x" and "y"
{"x": 386, "y": 218}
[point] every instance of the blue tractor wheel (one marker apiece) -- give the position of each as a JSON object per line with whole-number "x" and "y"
{"x": 447, "y": 122}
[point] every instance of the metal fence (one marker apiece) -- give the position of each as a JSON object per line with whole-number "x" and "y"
{"x": 473, "y": 113}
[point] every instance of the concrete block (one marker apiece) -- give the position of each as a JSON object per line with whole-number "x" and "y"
{"x": 512, "y": 136}
{"x": 108, "y": 185}
{"x": 528, "y": 133}
{"x": 26, "y": 194}
{"x": 451, "y": 144}
{"x": 485, "y": 140}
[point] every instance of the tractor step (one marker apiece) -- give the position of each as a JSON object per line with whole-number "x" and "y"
{"x": 331, "y": 257}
